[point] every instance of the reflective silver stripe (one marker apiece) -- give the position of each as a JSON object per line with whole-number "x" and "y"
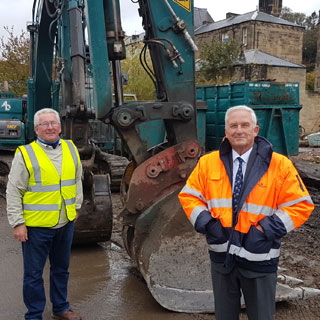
{"x": 248, "y": 207}
{"x": 219, "y": 247}
{"x": 186, "y": 189}
{"x": 243, "y": 253}
{"x": 68, "y": 183}
{"x": 220, "y": 203}
{"x": 286, "y": 220}
{"x": 41, "y": 188}
{"x": 73, "y": 153}
{"x": 257, "y": 209}
{"x": 195, "y": 213}
{"x": 293, "y": 202}
{"x": 41, "y": 207}
{"x": 34, "y": 163}
{"x": 69, "y": 202}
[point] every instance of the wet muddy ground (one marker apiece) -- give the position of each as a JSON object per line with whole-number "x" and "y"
{"x": 105, "y": 285}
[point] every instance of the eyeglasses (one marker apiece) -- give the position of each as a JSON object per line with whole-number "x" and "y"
{"x": 47, "y": 124}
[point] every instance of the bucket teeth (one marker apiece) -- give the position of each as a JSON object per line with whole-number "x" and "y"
{"x": 289, "y": 280}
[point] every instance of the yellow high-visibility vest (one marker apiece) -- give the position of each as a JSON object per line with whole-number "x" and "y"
{"x": 46, "y": 189}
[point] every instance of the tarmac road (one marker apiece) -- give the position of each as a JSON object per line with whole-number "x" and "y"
{"x": 104, "y": 285}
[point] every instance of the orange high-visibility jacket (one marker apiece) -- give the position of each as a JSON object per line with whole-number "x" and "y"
{"x": 273, "y": 195}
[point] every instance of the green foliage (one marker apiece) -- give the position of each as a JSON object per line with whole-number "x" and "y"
{"x": 310, "y": 81}
{"x": 217, "y": 58}
{"x": 14, "y": 57}
{"x": 309, "y": 51}
{"x": 295, "y": 17}
{"x": 139, "y": 83}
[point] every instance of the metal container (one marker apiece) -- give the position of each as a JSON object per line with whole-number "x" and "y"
{"x": 276, "y": 106}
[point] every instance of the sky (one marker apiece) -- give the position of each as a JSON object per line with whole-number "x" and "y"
{"x": 16, "y": 13}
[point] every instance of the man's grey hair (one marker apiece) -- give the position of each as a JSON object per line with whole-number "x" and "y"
{"x": 37, "y": 115}
{"x": 242, "y": 108}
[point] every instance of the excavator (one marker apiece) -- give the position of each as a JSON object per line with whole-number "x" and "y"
{"x": 75, "y": 67}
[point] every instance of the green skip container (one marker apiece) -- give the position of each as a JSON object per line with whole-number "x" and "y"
{"x": 276, "y": 105}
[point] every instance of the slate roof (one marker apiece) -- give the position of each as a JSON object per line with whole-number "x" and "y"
{"x": 201, "y": 17}
{"x": 262, "y": 58}
{"x": 241, "y": 18}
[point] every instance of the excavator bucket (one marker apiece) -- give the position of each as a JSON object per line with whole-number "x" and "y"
{"x": 172, "y": 258}
{"x": 175, "y": 263}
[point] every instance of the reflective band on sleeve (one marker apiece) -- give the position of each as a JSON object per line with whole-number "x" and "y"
{"x": 41, "y": 207}
{"x": 186, "y": 189}
{"x": 219, "y": 247}
{"x": 68, "y": 183}
{"x": 195, "y": 213}
{"x": 243, "y": 253}
{"x": 73, "y": 153}
{"x": 34, "y": 162}
{"x": 286, "y": 220}
{"x": 219, "y": 203}
{"x": 293, "y": 202}
{"x": 41, "y": 188}
{"x": 68, "y": 202}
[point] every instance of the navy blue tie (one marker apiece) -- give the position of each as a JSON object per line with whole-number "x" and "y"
{"x": 237, "y": 186}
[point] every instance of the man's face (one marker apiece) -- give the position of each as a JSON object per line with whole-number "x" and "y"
{"x": 241, "y": 131}
{"x": 48, "y": 128}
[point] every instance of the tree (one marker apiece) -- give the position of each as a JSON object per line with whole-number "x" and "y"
{"x": 138, "y": 81}
{"x": 216, "y": 59}
{"x": 14, "y": 58}
{"x": 295, "y": 17}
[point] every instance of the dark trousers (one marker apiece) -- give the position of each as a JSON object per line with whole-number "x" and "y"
{"x": 43, "y": 243}
{"x": 258, "y": 292}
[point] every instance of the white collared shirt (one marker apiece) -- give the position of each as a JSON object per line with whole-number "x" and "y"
{"x": 245, "y": 158}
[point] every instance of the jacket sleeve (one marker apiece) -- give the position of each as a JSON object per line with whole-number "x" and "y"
{"x": 194, "y": 202}
{"x": 79, "y": 177}
{"x": 294, "y": 206}
{"x": 16, "y": 187}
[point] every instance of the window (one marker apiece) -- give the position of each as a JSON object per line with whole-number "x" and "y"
{"x": 245, "y": 36}
{"x": 224, "y": 37}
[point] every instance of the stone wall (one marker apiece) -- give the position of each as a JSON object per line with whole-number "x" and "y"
{"x": 310, "y": 113}
{"x": 281, "y": 41}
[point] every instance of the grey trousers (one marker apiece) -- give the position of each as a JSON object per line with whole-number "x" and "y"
{"x": 258, "y": 291}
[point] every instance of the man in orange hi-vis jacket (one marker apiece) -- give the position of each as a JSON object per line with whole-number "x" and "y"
{"x": 245, "y": 198}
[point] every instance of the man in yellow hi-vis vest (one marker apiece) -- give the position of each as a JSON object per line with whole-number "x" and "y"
{"x": 43, "y": 193}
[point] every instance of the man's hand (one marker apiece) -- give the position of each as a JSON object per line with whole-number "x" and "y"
{"x": 21, "y": 233}
{"x": 77, "y": 216}
{"x": 259, "y": 228}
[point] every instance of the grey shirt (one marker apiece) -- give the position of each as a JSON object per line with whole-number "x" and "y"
{"x": 18, "y": 181}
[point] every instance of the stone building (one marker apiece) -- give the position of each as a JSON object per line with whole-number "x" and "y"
{"x": 256, "y": 31}
{"x": 271, "y": 7}
{"x": 201, "y": 17}
{"x": 272, "y": 50}
{"x": 258, "y": 65}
